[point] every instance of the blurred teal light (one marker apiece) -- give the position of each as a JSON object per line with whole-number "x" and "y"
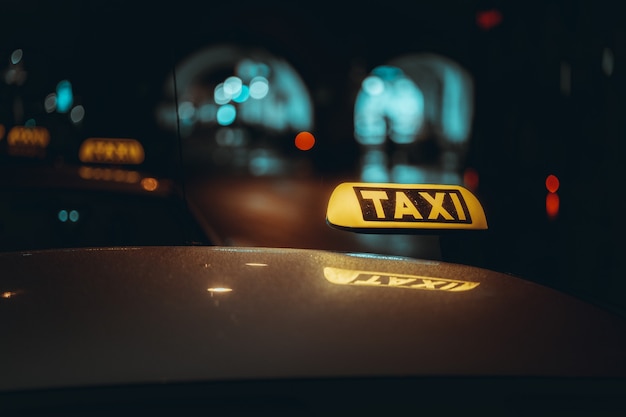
{"x": 226, "y": 114}
{"x": 243, "y": 95}
{"x": 65, "y": 97}
{"x": 62, "y": 215}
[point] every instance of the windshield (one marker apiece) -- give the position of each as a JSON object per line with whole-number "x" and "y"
{"x": 231, "y": 124}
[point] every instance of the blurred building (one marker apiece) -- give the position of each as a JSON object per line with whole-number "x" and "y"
{"x": 239, "y": 111}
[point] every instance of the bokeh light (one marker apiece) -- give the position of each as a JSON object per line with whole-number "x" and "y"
{"x": 552, "y": 183}
{"x": 552, "y": 205}
{"x": 471, "y": 179}
{"x": 305, "y": 141}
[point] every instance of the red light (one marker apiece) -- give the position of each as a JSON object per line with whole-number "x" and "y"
{"x": 470, "y": 179}
{"x": 305, "y": 141}
{"x": 488, "y": 19}
{"x": 552, "y": 205}
{"x": 552, "y": 183}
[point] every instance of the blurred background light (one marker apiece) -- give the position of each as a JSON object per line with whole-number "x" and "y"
{"x": 16, "y": 56}
{"x": 50, "y": 103}
{"x": 488, "y": 19}
{"x": 417, "y": 110}
{"x": 552, "y": 183}
{"x": 64, "y": 96}
{"x": 149, "y": 184}
{"x": 226, "y": 114}
{"x": 552, "y": 205}
{"x": 77, "y": 114}
{"x": 248, "y": 106}
{"x": 471, "y": 179}
{"x": 304, "y": 141}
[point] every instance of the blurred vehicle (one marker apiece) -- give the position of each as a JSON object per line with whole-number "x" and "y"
{"x": 290, "y": 209}
{"x": 98, "y": 203}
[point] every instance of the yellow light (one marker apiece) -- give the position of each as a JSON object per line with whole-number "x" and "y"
{"x": 373, "y": 207}
{"x": 219, "y": 290}
{"x": 111, "y": 150}
{"x": 380, "y": 279}
{"x": 255, "y": 264}
{"x": 8, "y": 294}
{"x": 35, "y": 136}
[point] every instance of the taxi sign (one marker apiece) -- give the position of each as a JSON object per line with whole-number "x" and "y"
{"x": 382, "y": 207}
{"x": 30, "y": 136}
{"x": 111, "y": 151}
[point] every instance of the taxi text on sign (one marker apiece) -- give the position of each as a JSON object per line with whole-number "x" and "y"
{"x": 393, "y": 207}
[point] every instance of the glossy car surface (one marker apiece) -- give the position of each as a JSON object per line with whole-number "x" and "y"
{"x": 147, "y": 316}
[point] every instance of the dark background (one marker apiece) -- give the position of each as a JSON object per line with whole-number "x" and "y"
{"x": 119, "y": 53}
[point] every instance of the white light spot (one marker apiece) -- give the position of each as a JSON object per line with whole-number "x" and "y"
{"x": 373, "y": 85}
{"x": 50, "y": 103}
{"x": 77, "y": 114}
{"x": 259, "y": 87}
{"x": 219, "y": 95}
{"x": 232, "y": 86}
{"x": 16, "y": 56}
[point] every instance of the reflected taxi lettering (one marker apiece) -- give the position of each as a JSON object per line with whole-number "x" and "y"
{"x": 111, "y": 150}
{"x": 412, "y": 205}
{"x": 382, "y": 279}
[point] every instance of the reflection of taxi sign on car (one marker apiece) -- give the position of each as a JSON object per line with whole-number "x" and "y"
{"x": 31, "y": 136}
{"x": 111, "y": 151}
{"x": 392, "y": 280}
{"x": 380, "y": 207}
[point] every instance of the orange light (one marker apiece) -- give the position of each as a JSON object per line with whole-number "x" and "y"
{"x": 111, "y": 151}
{"x": 552, "y": 183}
{"x": 35, "y": 136}
{"x": 149, "y": 184}
{"x": 470, "y": 179}
{"x": 8, "y": 294}
{"x": 552, "y": 205}
{"x": 305, "y": 141}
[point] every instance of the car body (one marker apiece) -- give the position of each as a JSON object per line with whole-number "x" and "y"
{"x": 234, "y": 330}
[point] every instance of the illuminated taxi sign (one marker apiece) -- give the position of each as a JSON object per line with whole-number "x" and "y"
{"x": 382, "y": 279}
{"x": 29, "y": 136}
{"x": 111, "y": 151}
{"x": 381, "y": 207}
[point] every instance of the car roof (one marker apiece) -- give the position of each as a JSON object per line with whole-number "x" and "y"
{"x": 131, "y": 315}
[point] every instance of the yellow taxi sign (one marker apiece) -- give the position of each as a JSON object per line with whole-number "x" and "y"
{"x": 31, "y": 136}
{"x": 111, "y": 151}
{"x": 382, "y": 207}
